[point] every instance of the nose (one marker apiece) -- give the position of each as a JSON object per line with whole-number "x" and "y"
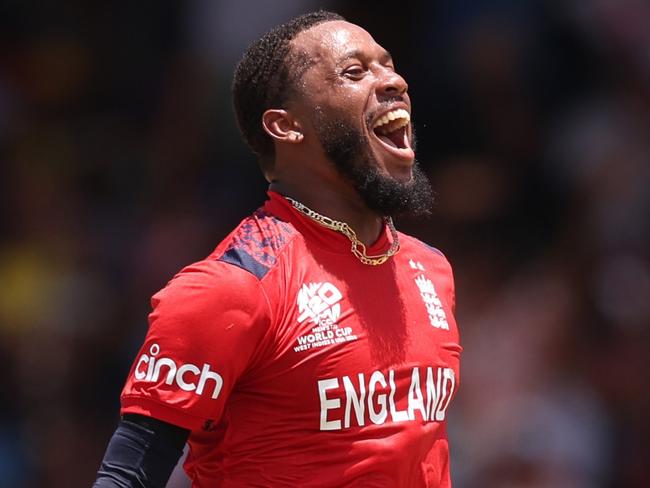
{"x": 391, "y": 83}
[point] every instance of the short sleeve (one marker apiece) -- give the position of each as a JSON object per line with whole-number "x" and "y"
{"x": 204, "y": 329}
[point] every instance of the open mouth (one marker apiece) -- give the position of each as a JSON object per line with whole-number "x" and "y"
{"x": 392, "y": 131}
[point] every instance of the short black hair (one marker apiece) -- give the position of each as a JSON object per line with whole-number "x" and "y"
{"x": 265, "y": 77}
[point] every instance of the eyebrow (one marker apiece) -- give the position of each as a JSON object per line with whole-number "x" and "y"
{"x": 357, "y": 53}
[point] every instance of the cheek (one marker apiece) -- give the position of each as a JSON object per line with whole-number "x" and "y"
{"x": 349, "y": 97}
{"x": 354, "y": 98}
{"x": 343, "y": 114}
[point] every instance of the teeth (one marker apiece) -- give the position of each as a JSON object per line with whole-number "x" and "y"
{"x": 400, "y": 113}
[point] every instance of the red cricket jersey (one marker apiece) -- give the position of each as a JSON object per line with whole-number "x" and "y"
{"x": 294, "y": 364}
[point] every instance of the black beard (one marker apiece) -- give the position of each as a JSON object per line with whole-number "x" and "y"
{"x": 349, "y": 149}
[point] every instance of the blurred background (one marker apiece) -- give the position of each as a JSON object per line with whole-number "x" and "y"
{"x": 120, "y": 162}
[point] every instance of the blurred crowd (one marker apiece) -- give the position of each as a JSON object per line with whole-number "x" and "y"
{"x": 120, "y": 162}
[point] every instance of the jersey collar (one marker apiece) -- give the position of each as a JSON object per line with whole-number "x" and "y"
{"x": 328, "y": 239}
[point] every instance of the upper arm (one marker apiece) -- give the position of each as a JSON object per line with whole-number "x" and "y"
{"x": 203, "y": 331}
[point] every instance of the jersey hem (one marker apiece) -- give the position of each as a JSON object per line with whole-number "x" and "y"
{"x": 151, "y": 408}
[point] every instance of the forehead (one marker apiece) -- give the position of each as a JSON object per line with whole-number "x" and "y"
{"x": 332, "y": 41}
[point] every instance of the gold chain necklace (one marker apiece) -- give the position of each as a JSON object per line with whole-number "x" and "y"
{"x": 358, "y": 248}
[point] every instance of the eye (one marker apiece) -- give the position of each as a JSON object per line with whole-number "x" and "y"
{"x": 356, "y": 71}
{"x": 390, "y": 66}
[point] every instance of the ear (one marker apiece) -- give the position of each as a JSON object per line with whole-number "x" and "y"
{"x": 281, "y": 126}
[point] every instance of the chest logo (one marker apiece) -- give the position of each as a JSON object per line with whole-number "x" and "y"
{"x": 437, "y": 316}
{"x": 319, "y": 304}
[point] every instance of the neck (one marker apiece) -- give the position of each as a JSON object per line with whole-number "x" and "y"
{"x": 342, "y": 205}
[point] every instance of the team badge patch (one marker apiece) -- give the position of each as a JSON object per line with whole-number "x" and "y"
{"x": 437, "y": 316}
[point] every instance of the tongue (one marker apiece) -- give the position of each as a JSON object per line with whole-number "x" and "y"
{"x": 387, "y": 140}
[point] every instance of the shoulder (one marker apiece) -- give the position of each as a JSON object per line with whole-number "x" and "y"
{"x": 422, "y": 248}
{"x": 208, "y": 289}
{"x": 419, "y": 253}
{"x": 432, "y": 264}
{"x": 229, "y": 278}
{"x": 256, "y": 244}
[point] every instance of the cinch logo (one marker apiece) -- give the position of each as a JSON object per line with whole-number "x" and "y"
{"x": 320, "y": 303}
{"x": 149, "y": 367}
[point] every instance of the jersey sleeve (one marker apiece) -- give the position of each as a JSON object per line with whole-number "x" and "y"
{"x": 204, "y": 329}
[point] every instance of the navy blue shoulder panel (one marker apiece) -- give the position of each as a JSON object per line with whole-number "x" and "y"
{"x": 239, "y": 257}
{"x": 257, "y": 242}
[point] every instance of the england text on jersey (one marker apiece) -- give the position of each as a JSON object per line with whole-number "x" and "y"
{"x": 372, "y": 399}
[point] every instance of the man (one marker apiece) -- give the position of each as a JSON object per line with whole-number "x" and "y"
{"x": 316, "y": 346}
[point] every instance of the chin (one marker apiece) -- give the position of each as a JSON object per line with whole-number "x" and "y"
{"x": 400, "y": 171}
{"x": 402, "y": 177}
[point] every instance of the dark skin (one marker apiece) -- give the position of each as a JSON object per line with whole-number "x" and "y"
{"x": 350, "y": 81}
{"x": 351, "y": 78}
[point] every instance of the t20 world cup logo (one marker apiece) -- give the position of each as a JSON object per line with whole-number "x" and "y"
{"x": 319, "y": 302}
